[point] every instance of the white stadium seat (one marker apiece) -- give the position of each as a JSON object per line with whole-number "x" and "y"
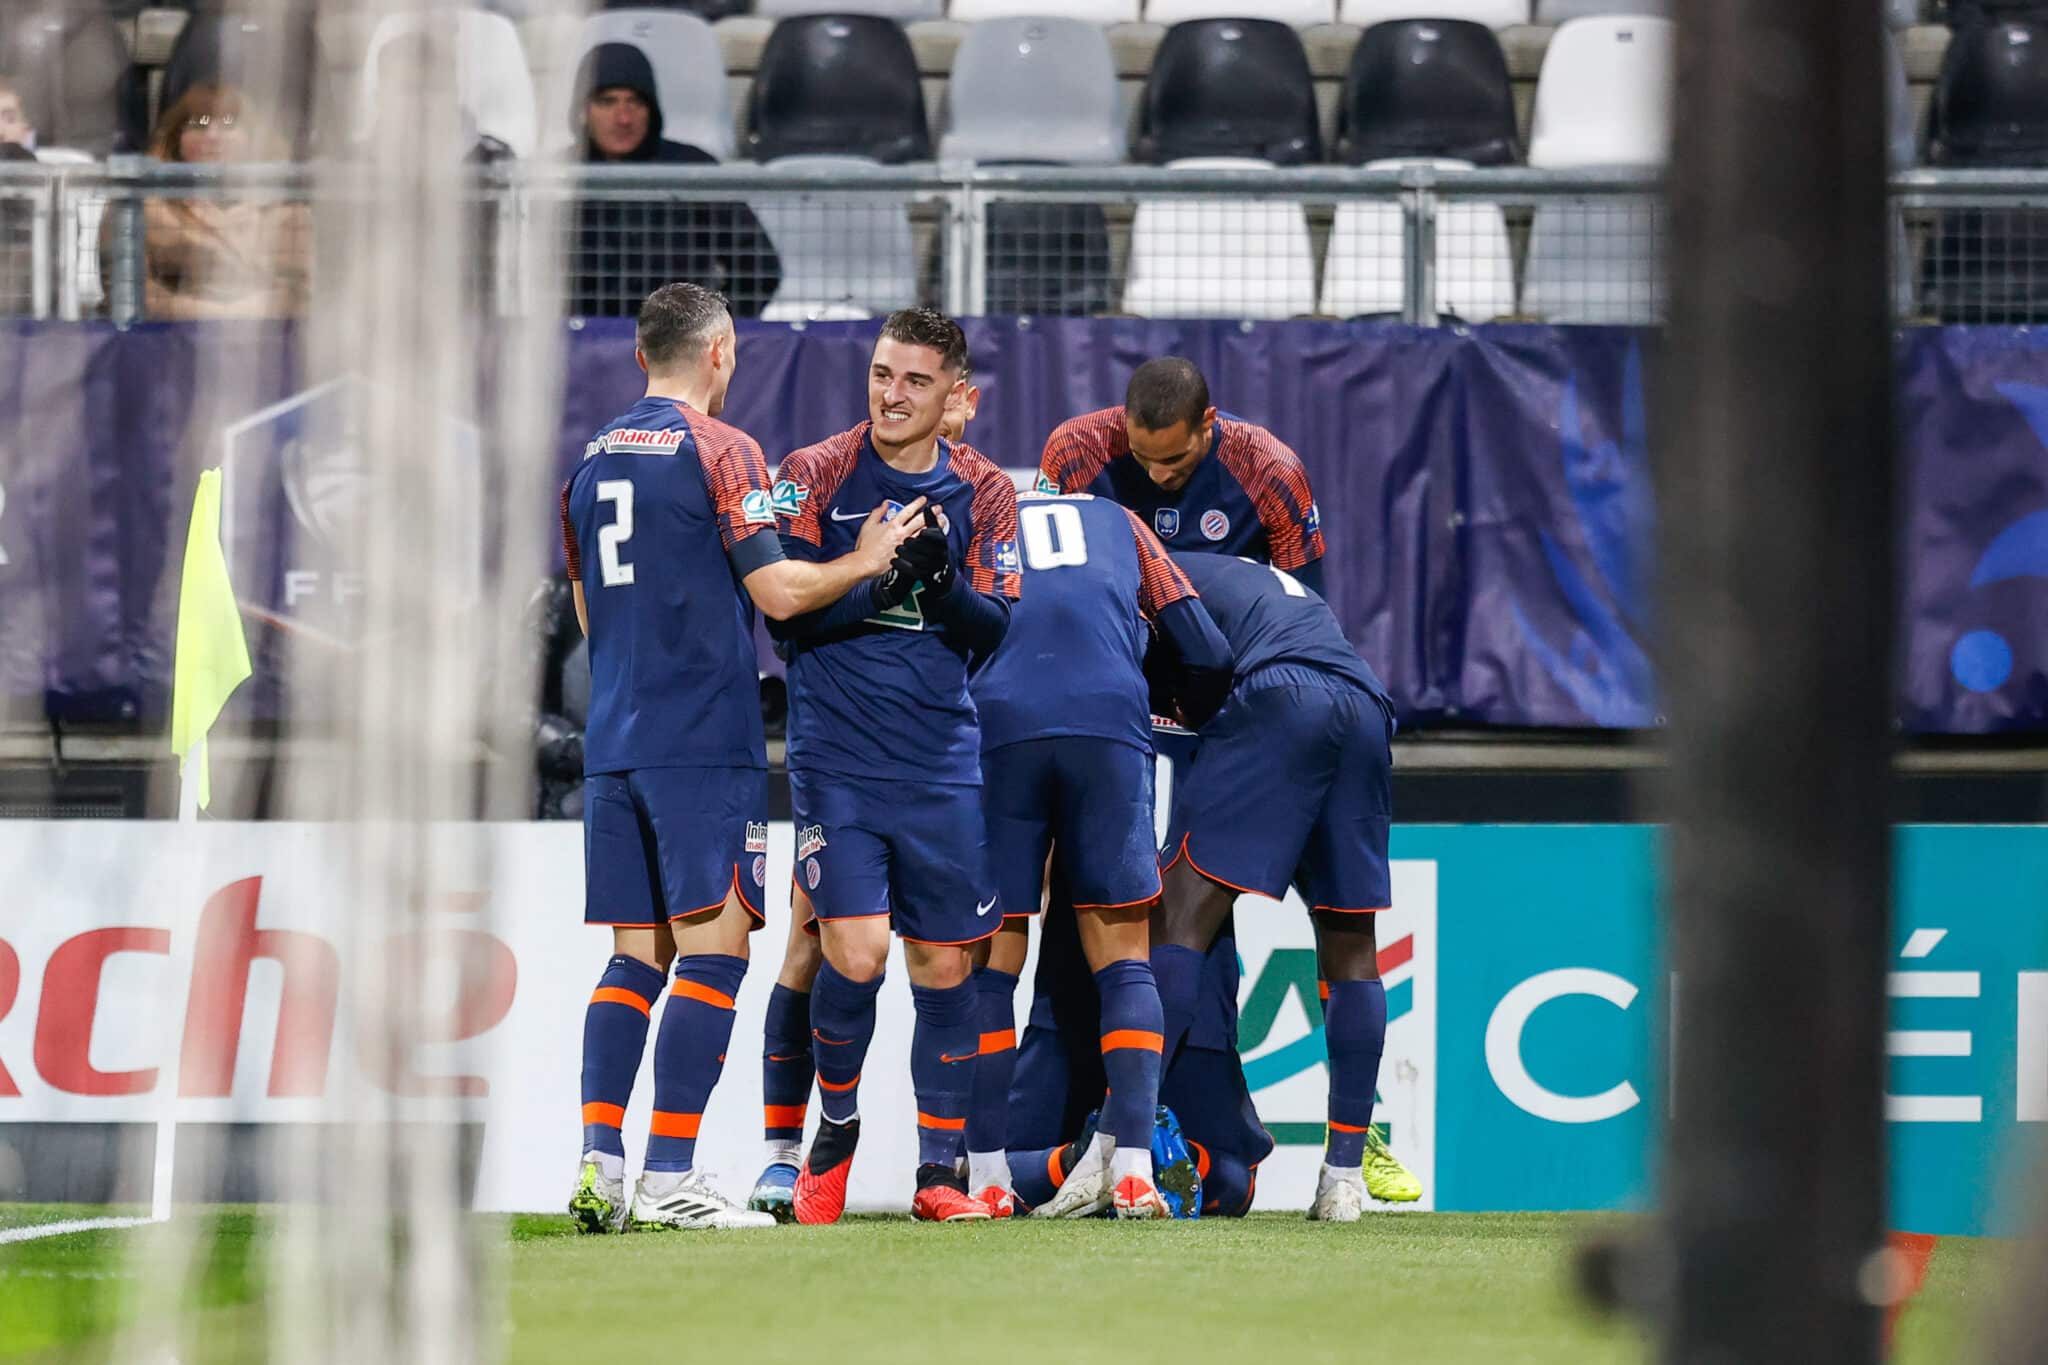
{"x": 494, "y": 85}
{"x": 1492, "y": 13}
{"x": 1603, "y": 97}
{"x": 1365, "y": 271}
{"x": 1220, "y": 258}
{"x": 1034, "y": 90}
{"x": 1299, "y": 13}
{"x": 904, "y": 11}
{"x": 844, "y": 256}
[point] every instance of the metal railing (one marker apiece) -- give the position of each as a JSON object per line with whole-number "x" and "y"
{"x": 807, "y": 239}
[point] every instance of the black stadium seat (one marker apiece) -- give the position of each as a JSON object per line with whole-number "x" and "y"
{"x": 1990, "y": 108}
{"x": 273, "y": 61}
{"x": 69, "y": 61}
{"x": 1428, "y": 88}
{"x": 838, "y": 85}
{"x": 1230, "y": 87}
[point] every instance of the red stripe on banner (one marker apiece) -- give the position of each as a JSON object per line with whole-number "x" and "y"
{"x": 1399, "y": 953}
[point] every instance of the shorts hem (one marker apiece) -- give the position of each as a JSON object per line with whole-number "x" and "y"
{"x": 993, "y": 929}
{"x": 1127, "y": 905}
{"x": 1186, "y": 852}
{"x": 1352, "y": 909}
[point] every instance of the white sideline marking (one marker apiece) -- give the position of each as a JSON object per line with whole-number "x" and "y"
{"x": 39, "y": 1230}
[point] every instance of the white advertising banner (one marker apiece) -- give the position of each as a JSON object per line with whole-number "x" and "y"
{"x": 152, "y": 971}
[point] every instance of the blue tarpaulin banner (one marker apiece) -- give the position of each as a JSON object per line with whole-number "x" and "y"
{"x": 1485, "y": 491}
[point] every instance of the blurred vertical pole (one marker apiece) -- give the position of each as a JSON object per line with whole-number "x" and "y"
{"x": 1775, "y": 470}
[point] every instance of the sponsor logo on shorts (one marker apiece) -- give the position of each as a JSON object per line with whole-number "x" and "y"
{"x": 809, "y": 840}
{"x": 1007, "y": 558}
{"x": 760, "y": 869}
{"x": 1046, "y": 483}
{"x": 756, "y": 509}
{"x": 788, "y": 497}
{"x": 811, "y": 872}
{"x": 984, "y": 907}
{"x": 1215, "y": 525}
{"x": 757, "y": 836}
{"x": 1166, "y": 521}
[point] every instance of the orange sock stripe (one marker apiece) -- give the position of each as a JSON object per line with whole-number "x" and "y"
{"x": 1322, "y": 990}
{"x": 925, "y": 1120}
{"x": 1201, "y": 1160}
{"x": 783, "y": 1115}
{"x": 1052, "y": 1167}
{"x": 610, "y": 1115}
{"x": 675, "y": 1125}
{"x": 619, "y": 995}
{"x": 998, "y": 1042}
{"x": 691, "y": 990}
{"x": 837, "y": 1088}
{"x": 1132, "y": 1037}
{"x": 1337, "y": 1127}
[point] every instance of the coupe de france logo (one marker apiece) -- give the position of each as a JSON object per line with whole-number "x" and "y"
{"x": 1166, "y": 521}
{"x": 1215, "y": 525}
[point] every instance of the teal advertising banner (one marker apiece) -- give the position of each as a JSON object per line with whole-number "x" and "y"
{"x": 1533, "y": 1016}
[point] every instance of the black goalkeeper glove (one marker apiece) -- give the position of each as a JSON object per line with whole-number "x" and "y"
{"x": 895, "y": 585}
{"x": 926, "y": 558}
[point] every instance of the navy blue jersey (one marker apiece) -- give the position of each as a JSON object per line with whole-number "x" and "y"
{"x": 1073, "y": 660}
{"x": 1250, "y": 496}
{"x": 674, "y": 509}
{"x": 1270, "y": 618}
{"x": 888, "y": 698}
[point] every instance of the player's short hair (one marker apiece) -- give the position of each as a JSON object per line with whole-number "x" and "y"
{"x": 677, "y": 321}
{"x": 930, "y": 327}
{"x": 1164, "y": 391}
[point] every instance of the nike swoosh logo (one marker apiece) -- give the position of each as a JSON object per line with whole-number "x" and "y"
{"x": 964, "y": 1057}
{"x": 981, "y": 910}
{"x": 851, "y": 516}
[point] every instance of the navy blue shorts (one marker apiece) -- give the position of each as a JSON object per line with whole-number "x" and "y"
{"x": 1292, "y": 784}
{"x": 912, "y": 851}
{"x": 663, "y": 843}
{"x": 1093, "y": 797}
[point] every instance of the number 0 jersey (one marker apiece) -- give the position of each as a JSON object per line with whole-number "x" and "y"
{"x": 669, "y": 510}
{"x": 1073, "y": 660}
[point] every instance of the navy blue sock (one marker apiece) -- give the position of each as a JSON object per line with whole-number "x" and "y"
{"x": 944, "y": 1047}
{"x": 1035, "y": 1176}
{"x": 1355, "y": 1031}
{"x": 689, "y": 1054}
{"x": 786, "y": 1066}
{"x": 988, "y": 1106}
{"x": 614, "y": 1035}
{"x": 1132, "y": 1024}
{"x": 1177, "y": 972}
{"x": 1228, "y": 1184}
{"x": 842, "y": 1026}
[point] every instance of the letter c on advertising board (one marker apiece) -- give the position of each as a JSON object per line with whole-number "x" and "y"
{"x": 1504, "y": 1045}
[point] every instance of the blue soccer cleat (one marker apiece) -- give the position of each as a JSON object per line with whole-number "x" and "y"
{"x": 775, "y": 1193}
{"x": 1173, "y": 1167}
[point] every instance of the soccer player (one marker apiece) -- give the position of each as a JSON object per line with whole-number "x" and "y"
{"x": 1203, "y": 481}
{"x": 679, "y": 513}
{"x": 1304, "y": 741}
{"x": 1067, "y": 762}
{"x": 787, "y": 1067}
{"x": 885, "y": 753}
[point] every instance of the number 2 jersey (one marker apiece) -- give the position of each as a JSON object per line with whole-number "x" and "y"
{"x": 887, "y": 697}
{"x": 1072, "y": 662}
{"x": 669, "y": 510}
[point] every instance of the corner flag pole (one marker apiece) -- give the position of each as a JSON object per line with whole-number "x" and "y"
{"x": 212, "y": 661}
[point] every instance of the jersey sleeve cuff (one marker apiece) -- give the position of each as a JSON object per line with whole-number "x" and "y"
{"x": 756, "y": 551}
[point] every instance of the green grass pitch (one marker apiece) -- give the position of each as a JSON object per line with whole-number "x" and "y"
{"x": 1424, "y": 1289}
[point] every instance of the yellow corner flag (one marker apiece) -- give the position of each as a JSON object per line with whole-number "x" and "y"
{"x": 213, "y": 655}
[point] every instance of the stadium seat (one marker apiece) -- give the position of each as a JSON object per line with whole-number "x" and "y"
{"x": 1603, "y": 97}
{"x": 847, "y": 256}
{"x": 1230, "y": 88}
{"x": 1564, "y": 11}
{"x": 1033, "y": 90}
{"x": 1428, "y": 88}
{"x": 1102, "y": 12}
{"x": 1492, "y": 13}
{"x": 271, "y": 59}
{"x": 703, "y": 9}
{"x": 491, "y": 76}
{"x": 1299, "y": 13}
{"x": 689, "y": 73}
{"x": 1901, "y": 13}
{"x": 1365, "y": 272}
{"x": 1902, "y": 136}
{"x": 70, "y": 62}
{"x": 902, "y": 11}
{"x": 837, "y": 85}
{"x": 1235, "y": 257}
{"x": 1596, "y": 263}
{"x": 1990, "y": 105}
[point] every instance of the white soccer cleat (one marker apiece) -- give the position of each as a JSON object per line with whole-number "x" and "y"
{"x": 1087, "y": 1190}
{"x": 1340, "y": 1196}
{"x": 667, "y": 1199}
{"x": 598, "y": 1204}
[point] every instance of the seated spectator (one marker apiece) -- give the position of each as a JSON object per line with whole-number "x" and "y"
{"x": 625, "y": 250}
{"x": 15, "y": 129}
{"x": 208, "y": 257}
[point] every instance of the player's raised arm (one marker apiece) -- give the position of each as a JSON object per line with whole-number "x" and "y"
{"x": 979, "y": 614}
{"x": 1200, "y": 673}
{"x": 789, "y": 589}
{"x": 1278, "y": 484}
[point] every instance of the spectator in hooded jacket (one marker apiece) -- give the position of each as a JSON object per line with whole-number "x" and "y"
{"x": 626, "y": 249}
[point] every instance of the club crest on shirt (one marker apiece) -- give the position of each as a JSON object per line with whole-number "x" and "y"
{"x": 757, "y": 836}
{"x": 1166, "y": 521}
{"x": 787, "y": 497}
{"x": 890, "y": 507}
{"x": 809, "y": 840}
{"x": 1215, "y": 525}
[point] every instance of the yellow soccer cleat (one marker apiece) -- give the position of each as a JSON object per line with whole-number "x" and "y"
{"x": 1386, "y": 1179}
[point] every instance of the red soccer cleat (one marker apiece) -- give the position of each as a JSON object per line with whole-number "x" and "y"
{"x": 1138, "y": 1198}
{"x": 942, "y": 1197}
{"x": 820, "y": 1195}
{"x": 999, "y": 1202}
